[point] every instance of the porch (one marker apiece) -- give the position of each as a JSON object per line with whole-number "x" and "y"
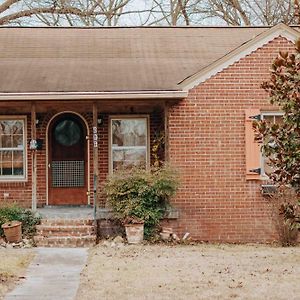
{"x": 67, "y": 148}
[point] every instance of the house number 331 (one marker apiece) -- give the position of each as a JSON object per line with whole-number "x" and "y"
{"x": 95, "y": 137}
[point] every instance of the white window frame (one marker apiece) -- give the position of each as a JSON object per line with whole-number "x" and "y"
{"x": 262, "y": 157}
{"x": 16, "y": 178}
{"x": 128, "y": 117}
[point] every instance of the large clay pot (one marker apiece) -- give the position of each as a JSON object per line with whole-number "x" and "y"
{"x": 134, "y": 233}
{"x": 13, "y": 231}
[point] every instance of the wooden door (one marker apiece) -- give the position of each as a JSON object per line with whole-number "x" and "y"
{"x": 67, "y": 169}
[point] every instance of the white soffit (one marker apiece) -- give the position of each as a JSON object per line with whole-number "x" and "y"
{"x": 240, "y": 52}
{"x": 139, "y": 95}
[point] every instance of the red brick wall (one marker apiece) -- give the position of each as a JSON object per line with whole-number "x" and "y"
{"x": 207, "y": 144}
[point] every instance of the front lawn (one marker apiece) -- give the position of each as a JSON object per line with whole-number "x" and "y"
{"x": 191, "y": 272}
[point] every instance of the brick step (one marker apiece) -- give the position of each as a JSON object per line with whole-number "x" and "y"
{"x": 67, "y": 222}
{"x": 65, "y": 241}
{"x": 65, "y": 230}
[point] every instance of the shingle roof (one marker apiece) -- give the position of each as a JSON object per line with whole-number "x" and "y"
{"x": 111, "y": 59}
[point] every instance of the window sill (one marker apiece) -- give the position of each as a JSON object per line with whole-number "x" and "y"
{"x": 259, "y": 178}
{"x": 13, "y": 180}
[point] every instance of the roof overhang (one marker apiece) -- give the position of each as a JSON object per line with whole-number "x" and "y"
{"x": 139, "y": 95}
{"x": 240, "y": 52}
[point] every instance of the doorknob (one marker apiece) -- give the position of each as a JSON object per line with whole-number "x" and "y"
{"x": 49, "y": 166}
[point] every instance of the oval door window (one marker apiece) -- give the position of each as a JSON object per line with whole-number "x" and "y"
{"x": 67, "y": 133}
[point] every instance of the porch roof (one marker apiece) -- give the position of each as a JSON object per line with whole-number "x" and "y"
{"x": 70, "y": 60}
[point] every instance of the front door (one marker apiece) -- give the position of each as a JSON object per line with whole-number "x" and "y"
{"x": 67, "y": 169}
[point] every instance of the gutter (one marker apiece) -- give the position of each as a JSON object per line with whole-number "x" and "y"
{"x": 138, "y": 95}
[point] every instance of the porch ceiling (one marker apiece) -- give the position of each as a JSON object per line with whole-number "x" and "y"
{"x": 104, "y": 106}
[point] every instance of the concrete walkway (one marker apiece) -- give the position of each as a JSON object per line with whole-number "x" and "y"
{"x": 53, "y": 275}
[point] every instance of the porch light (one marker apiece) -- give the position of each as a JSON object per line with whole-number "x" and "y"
{"x": 100, "y": 120}
{"x": 38, "y": 121}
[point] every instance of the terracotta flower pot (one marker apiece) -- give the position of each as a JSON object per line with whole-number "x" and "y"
{"x": 13, "y": 231}
{"x": 134, "y": 233}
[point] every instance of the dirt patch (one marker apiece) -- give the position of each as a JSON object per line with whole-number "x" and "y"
{"x": 13, "y": 263}
{"x": 191, "y": 272}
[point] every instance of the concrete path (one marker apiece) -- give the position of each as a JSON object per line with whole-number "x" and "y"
{"x": 53, "y": 275}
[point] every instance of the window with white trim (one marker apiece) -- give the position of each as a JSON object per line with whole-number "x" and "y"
{"x": 273, "y": 118}
{"x": 12, "y": 148}
{"x": 129, "y": 142}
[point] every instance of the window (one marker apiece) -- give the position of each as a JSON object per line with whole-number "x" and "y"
{"x": 275, "y": 118}
{"x": 12, "y": 148}
{"x": 129, "y": 142}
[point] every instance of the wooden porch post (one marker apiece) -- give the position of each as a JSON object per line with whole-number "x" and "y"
{"x": 166, "y": 111}
{"x": 33, "y": 156}
{"x": 95, "y": 155}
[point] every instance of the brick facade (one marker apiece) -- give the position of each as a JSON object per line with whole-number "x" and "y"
{"x": 206, "y": 144}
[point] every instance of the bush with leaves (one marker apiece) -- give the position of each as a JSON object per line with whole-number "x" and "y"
{"x": 12, "y": 212}
{"x": 139, "y": 195}
{"x": 281, "y": 142}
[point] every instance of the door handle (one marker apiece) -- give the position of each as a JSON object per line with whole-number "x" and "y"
{"x": 49, "y": 166}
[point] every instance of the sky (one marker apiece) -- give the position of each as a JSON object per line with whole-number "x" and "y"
{"x": 126, "y": 20}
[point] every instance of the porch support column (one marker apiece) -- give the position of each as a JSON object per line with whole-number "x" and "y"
{"x": 166, "y": 112}
{"x": 95, "y": 156}
{"x": 33, "y": 146}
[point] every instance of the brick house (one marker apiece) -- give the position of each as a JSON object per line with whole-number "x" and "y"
{"x": 84, "y": 101}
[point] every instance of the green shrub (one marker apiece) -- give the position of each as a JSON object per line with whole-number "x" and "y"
{"x": 141, "y": 195}
{"x": 12, "y": 212}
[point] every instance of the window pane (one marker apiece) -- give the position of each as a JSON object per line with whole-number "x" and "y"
{"x": 278, "y": 119}
{"x": 11, "y": 127}
{"x": 6, "y": 156}
{"x": 6, "y": 141}
{"x": 129, "y": 158}
{"x": 270, "y": 119}
{"x": 129, "y": 132}
{"x": 18, "y": 156}
{"x": 67, "y": 133}
{"x": 18, "y": 168}
{"x": 18, "y": 141}
{"x": 267, "y": 168}
{"x": 5, "y": 127}
{"x": 6, "y": 162}
{"x": 17, "y": 127}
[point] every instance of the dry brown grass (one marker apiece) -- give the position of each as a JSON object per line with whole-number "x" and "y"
{"x": 13, "y": 263}
{"x": 191, "y": 272}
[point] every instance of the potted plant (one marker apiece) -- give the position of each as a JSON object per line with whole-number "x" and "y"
{"x": 16, "y": 221}
{"x": 140, "y": 197}
{"x": 12, "y": 231}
